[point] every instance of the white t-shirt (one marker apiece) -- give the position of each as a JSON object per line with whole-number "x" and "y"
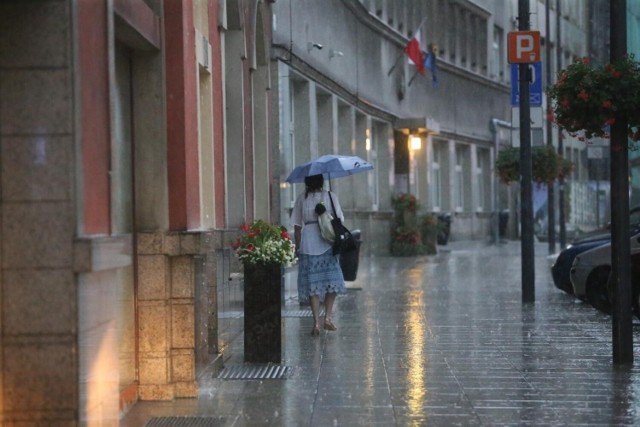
{"x": 304, "y": 215}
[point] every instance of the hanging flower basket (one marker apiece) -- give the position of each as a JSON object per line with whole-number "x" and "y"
{"x": 547, "y": 165}
{"x": 590, "y": 99}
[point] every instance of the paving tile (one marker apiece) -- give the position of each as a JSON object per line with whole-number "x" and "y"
{"x": 436, "y": 341}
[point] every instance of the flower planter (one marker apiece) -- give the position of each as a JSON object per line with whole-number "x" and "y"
{"x": 262, "y": 313}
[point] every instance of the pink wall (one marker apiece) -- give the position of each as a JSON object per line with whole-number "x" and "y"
{"x": 218, "y": 117}
{"x": 249, "y": 12}
{"x": 182, "y": 118}
{"x": 94, "y": 116}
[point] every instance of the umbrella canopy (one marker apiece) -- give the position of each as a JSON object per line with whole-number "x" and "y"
{"x": 330, "y": 166}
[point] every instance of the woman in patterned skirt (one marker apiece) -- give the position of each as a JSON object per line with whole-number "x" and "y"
{"x": 319, "y": 274}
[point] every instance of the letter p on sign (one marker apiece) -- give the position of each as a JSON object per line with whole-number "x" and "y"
{"x": 524, "y": 46}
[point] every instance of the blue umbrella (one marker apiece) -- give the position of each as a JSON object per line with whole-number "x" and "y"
{"x": 330, "y": 166}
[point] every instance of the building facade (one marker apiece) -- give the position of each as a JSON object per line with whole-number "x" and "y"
{"x": 349, "y": 89}
{"x": 134, "y": 140}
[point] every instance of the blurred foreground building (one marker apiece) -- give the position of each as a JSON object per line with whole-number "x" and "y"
{"x": 134, "y": 141}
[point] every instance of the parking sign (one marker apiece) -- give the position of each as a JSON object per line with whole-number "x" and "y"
{"x": 524, "y": 46}
{"x": 535, "y": 86}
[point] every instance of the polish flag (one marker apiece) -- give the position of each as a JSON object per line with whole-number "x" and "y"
{"x": 412, "y": 49}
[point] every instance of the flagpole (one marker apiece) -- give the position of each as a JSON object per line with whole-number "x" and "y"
{"x": 395, "y": 64}
{"x": 412, "y": 77}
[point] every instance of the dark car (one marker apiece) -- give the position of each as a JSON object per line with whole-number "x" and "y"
{"x": 560, "y": 270}
{"x": 561, "y": 267}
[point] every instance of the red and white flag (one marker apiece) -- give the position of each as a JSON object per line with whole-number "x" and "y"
{"x": 414, "y": 52}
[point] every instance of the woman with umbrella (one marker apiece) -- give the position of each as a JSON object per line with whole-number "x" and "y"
{"x": 319, "y": 275}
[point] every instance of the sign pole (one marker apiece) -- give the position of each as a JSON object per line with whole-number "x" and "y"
{"x": 551, "y": 207}
{"x": 526, "y": 186}
{"x": 620, "y": 250}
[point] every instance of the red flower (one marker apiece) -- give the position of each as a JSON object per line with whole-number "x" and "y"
{"x": 550, "y": 116}
{"x": 565, "y": 104}
{"x": 606, "y": 103}
{"x": 285, "y": 235}
{"x": 583, "y": 95}
{"x": 254, "y": 233}
{"x": 244, "y": 227}
{"x": 250, "y": 248}
{"x": 611, "y": 121}
{"x": 236, "y": 244}
{"x": 615, "y": 73}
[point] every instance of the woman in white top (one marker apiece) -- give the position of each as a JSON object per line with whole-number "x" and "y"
{"x": 319, "y": 274}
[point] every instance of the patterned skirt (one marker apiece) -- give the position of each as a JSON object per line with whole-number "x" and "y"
{"x": 319, "y": 275}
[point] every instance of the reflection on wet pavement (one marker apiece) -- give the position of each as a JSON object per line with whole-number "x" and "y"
{"x": 438, "y": 340}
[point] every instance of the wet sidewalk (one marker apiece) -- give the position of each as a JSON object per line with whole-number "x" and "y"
{"x": 432, "y": 341}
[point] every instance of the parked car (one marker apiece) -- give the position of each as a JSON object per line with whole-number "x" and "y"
{"x": 591, "y": 271}
{"x": 562, "y": 262}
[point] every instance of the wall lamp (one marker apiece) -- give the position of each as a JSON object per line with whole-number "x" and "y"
{"x": 415, "y": 142}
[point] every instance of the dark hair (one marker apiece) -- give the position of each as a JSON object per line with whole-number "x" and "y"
{"x": 313, "y": 183}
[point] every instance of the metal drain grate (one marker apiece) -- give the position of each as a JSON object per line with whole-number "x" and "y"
{"x": 185, "y": 422}
{"x": 264, "y": 372}
{"x": 285, "y": 313}
{"x": 297, "y": 313}
{"x": 230, "y": 314}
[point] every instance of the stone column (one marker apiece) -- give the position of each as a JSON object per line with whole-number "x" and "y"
{"x": 166, "y": 313}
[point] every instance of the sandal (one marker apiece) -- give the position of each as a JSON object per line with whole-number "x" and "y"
{"x": 315, "y": 331}
{"x": 329, "y": 326}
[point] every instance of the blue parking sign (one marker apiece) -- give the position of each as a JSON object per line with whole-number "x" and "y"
{"x": 535, "y": 87}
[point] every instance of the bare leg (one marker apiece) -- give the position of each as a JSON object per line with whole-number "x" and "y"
{"x": 328, "y": 310}
{"x": 314, "y": 301}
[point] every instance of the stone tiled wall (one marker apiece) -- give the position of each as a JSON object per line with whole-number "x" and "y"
{"x": 167, "y": 312}
{"x": 38, "y": 361}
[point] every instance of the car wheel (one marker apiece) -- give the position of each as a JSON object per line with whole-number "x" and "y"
{"x": 598, "y": 289}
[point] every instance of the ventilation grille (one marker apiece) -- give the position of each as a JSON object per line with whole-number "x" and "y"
{"x": 185, "y": 422}
{"x": 255, "y": 372}
{"x": 285, "y": 313}
{"x": 298, "y": 313}
{"x": 230, "y": 315}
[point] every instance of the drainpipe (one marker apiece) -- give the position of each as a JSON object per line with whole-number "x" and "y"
{"x": 495, "y": 125}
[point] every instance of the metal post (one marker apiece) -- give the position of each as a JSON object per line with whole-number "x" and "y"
{"x": 526, "y": 186}
{"x": 561, "y": 218}
{"x": 551, "y": 210}
{"x": 620, "y": 248}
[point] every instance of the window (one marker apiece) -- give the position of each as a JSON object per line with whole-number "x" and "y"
{"x": 497, "y": 55}
{"x": 458, "y": 189}
{"x": 483, "y": 179}
{"x": 436, "y": 194}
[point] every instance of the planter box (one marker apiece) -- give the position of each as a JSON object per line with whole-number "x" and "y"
{"x": 262, "y": 313}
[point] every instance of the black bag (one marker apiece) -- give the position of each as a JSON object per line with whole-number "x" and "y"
{"x": 344, "y": 240}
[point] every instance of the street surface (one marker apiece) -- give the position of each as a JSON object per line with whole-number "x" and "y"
{"x": 432, "y": 341}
